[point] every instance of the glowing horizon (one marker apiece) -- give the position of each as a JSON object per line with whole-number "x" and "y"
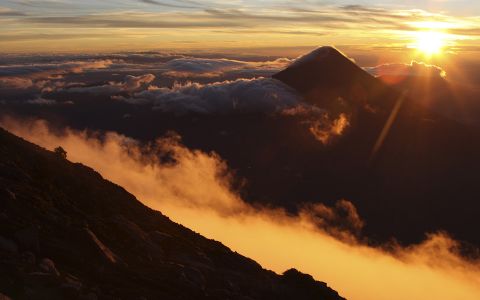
{"x": 128, "y": 25}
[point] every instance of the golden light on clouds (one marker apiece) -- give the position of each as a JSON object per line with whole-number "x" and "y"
{"x": 194, "y": 193}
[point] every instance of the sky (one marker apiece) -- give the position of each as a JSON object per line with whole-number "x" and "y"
{"x": 45, "y": 26}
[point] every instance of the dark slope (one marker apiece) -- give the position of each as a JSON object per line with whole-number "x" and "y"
{"x": 101, "y": 242}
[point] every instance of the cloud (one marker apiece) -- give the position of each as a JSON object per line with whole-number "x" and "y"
{"x": 15, "y": 83}
{"x": 413, "y": 69}
{"x": 202, "y": 16}
{"x": 214, "y": 67}
{"x": 130, "y": 84}
{"x": 20, "y": 84}
{"x": 7, "y": 12}
{"x": 243, "y": 95}
{"x": 341, "y": 220}
{"x": 326, "y": 130}
{"x": 41, "y": 101}
{"x": 54, "y": 68}
{"x": 261, "y": 23}
{"x": 133, "y": 83}
{"x": 194, "y": 190}
{"x": 321, "y": 124}
{"x": 202, "y": 66}
{"x": 174, "y": 4}
{"x": 177, "y": 66}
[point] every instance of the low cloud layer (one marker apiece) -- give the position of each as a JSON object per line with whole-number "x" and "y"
{"x": 202, "y": 66}
{"x": 259, "y": 95}
{"x": 111, "y": 74}
{"x": 129, "y": 84}
{"x": 244, "y": 95}
{"x": 195, "y": 191}
{"x": 48, "y": 69}
{"x": 413, "y": 69}
{"x": 206, "y": 67}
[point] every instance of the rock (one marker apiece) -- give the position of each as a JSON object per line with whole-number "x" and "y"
{"x": 71, "y": 288}
{"x": 8, "y": 245}
{"x": 89, "y": 296}
{"x": 139, "y": 240}
{"x": 4, "y": 297}
{"x": 11, "y": 194}
{"x": 133, "y": 231}
{"x": 72, "y": 282}
{"x": 28, "y": 239}
{"x": 48, "y": 266}
{"x": 28, "y": 261}
{"x": 104, "y": 251}
{"x": 3, "y": 217}
{"x": 194, "y": 277}
{"x": 28, "y": 258}
{"x": 220, "y": 294}
{"x": 41, "y": 279}
{"x": 159, "y": 237}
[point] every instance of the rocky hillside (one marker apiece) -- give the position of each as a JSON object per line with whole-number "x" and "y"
{"x": 67, "y": 233}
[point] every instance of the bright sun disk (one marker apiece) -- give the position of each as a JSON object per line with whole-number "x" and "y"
{"x": 430, "y": 42}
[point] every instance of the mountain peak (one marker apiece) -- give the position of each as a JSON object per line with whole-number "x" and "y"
{"x": 326, "y": 73}
{"x": 318, "y": 54}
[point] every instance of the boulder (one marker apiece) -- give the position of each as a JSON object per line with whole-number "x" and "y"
{"x": 28, "y": 239}
{"x": 101, "y": 248}
{"x": 89, "y": 296}
{"x": 4, "y": 297}
{"x": 48, "y": 266}
{"x": 8, "y": 245}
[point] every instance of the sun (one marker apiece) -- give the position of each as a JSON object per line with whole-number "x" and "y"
{"x": 430, "y": 42}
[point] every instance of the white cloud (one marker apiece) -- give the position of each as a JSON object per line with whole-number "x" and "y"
{"x": 242, "y": 95}
{"x": 130, "y": 84}
{"x": 209, "y": 67}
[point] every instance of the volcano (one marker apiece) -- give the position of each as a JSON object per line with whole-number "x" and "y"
{"x": 326, "y": 68}
{"x": 325, "y": 74}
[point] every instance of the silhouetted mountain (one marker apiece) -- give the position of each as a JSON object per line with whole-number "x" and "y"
{"x": 66, "y": 233}
{"x": 325, "y": 74}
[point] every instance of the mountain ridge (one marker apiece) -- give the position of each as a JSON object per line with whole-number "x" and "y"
{"x": 67, "y": 233}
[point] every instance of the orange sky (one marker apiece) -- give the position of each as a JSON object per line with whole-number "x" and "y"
{"x": 93, "y": 26}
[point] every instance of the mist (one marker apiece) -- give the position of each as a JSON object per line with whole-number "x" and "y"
{"x": 193, "y": 188}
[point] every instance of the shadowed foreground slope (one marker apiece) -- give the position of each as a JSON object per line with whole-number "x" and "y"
{"x": 66, "y": 233}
